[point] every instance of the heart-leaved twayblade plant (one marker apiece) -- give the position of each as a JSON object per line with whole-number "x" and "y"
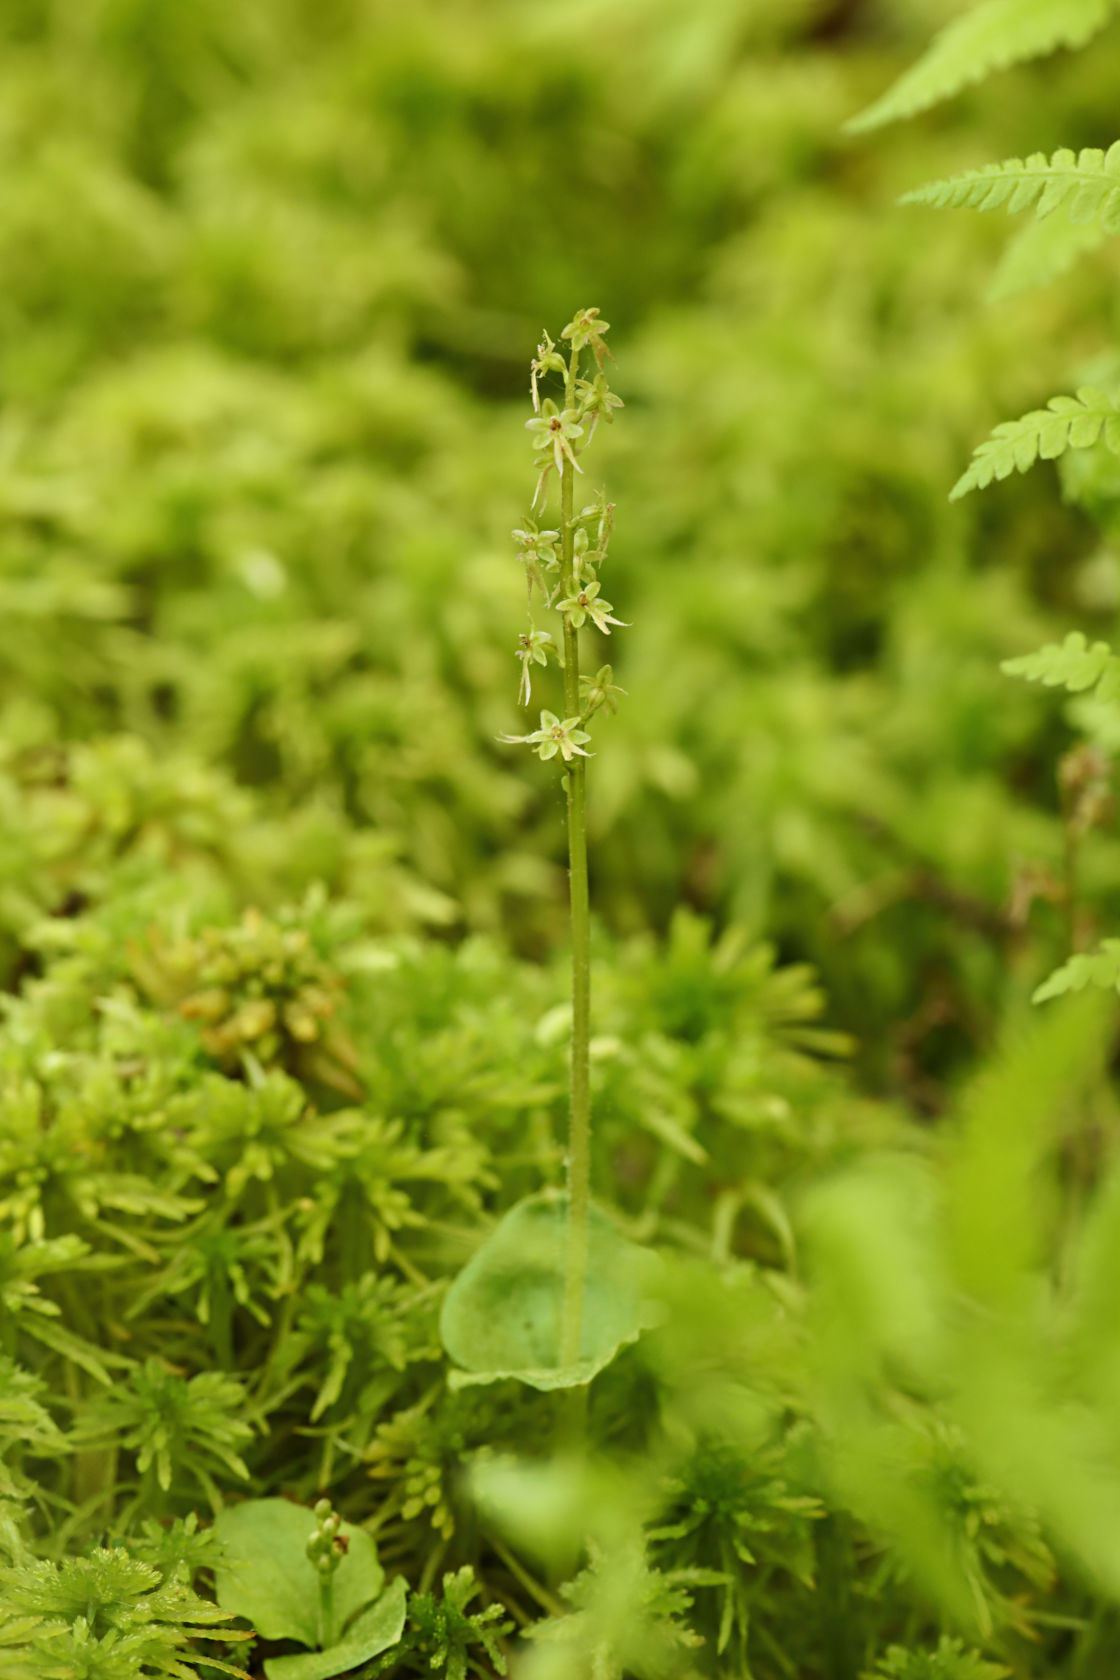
{"x": 304, "y": 1576}
{"x": 555, "y": 1292}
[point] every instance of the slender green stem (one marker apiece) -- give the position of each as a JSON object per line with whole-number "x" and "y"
{"x": 326, "y": 1611}
{"x": 579, "y": 1124}
{"x": 1071, "y": 849}
{"x": 549, "y": 1603}
{"x": 838, "y": 1631}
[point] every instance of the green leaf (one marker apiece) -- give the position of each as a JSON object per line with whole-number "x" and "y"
{"x": 75, "y": 1348}
{"x": 1043, "y": 251}
{"x": 950, "y": 1661}
{"x": 1074, "y": 664}
{"x": 1099, "y": 968}
{"x": 502, "y": 1315}
{"x": 1085, "y": 184}
{"x": 1045, "y": 433}
{"x": 375, "y": 1630}
{"x": 266, "y": 1576}
{"x": 1009, "y": 1117}
{"x": 990, "y": 37}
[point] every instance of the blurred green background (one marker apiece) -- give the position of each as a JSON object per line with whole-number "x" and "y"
{"x": 272, "y": 275}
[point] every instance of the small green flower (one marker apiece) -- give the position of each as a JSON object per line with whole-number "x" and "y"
{"x": 533, "y": 649}
{"x": 555, "y": 736}
{"x": 597, "y": 400}
{"x": 537, "y": 553}
{"x": 547, "y": 360}
{"x": 585, "y": 328}
{"x": 554, "y": 431}
{"x": 602, "y": 512}
{"x": 584, "y": 557}
{"x": 599, "y": 691}
{"x": 537, "y": 545}
{"x": 559, "y": 736}
{"x": 584, "y": 605}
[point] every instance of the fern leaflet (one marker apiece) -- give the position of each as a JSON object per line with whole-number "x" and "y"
{"x": 1042, "y": 252}
{"x": 1074, "y": 664}
{"x": 1043, "y": 434}
{"x": 990, "y": 37}
{"x": 1100, "y": 968}
{"x": 1085, "y": 184}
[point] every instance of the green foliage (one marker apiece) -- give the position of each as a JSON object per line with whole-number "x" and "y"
{"x": 738, "y": 1518}
{"x": 1043, "y": 434}
{"x": 1042, "y": 251}
{"x": 444, "y": 1637}
{"x": 25, "y": 1424}
{"x": 106, "y": 1616}
{"x": 625, "y": 1616}
{"x": 1099, "y": 968}
{"x": 1085, "y": 185}
{"x": 285, "y": 1018}
{"x": 958, "y": 1502}
{"x": 266, "y": 1574}
{"x": 260, "y": 988}
{"x": 340, "y": 705}
{"x": 502, "y": 1315}
{"x": 173, "y": 1424}
{"x": 950, "y": 1661}
{"x": 1073, "y": 664}
{"x": 990, "y": 36}
{"x": 318, "y": 1585}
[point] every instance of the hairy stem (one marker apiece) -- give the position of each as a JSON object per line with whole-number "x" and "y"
{"x": 579, "y": 1124}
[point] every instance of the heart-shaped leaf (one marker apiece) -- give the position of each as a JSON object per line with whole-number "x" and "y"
{"x": 375, "y": 1630}
{"x": 502, "y": 1315}
{"x": 266, "y": 1576}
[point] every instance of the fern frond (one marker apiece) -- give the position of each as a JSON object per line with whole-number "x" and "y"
{"x": 1085, "y": 184}
{"x": 1042, "y": 252}
{"x": 991, "y": 37}
{"x": 1074, "y": 664}
{"x": 1043, "y": 434}
{"x": 1099, "y": 968}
